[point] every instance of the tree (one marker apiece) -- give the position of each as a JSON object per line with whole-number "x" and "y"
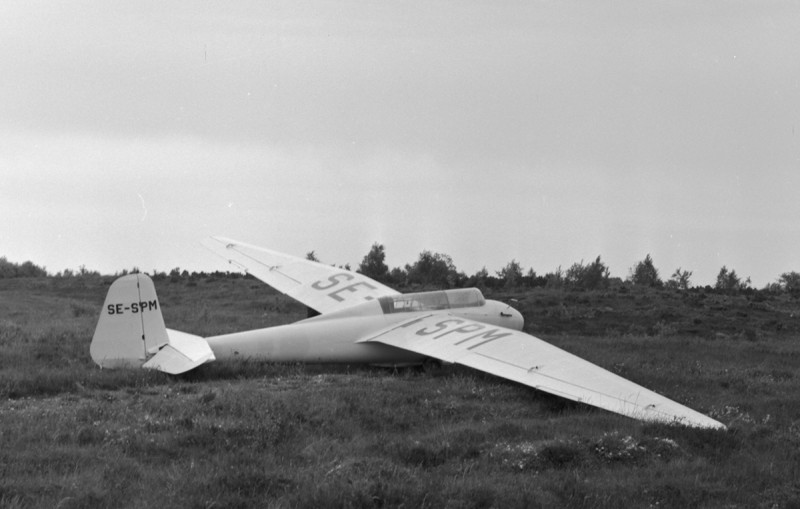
{"x": 790, "y": 282}
{"x": 312, "y": 256}
{"x": 433, "y": 269}
{"x": 479, "y": 279}
{"x": 373, "y": 265}
{"x": 511, "y": 274}
{"x": 588, "y": 277}
{"x": 554, "y": 279}
{"x": 398, "y": 277}
{"x": 680, "y": 279}
{"x": 29, "y": 269}
{"x": 730, "y": 281}
{"x": 530, "y": 279}
{"x": 645, "y": 273}
{"x": 26, "y": 269}
{"x": 7, "y": 269}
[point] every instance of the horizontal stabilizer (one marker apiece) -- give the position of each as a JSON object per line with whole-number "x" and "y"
{"x": 184, "y": 352}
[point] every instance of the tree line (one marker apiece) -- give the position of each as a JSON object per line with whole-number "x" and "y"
{"x": 437, "y": 270}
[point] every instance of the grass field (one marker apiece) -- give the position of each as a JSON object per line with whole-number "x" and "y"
{"x": 254, "y": 434}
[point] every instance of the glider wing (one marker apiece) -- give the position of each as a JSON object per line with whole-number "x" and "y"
{"x": 529, "y": 360}
{"x": 318, "y": 286}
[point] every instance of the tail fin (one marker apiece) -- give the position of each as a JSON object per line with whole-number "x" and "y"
{"x": 131, "y": 332}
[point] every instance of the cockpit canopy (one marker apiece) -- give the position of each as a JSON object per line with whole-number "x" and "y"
{"x": 429, "y": 301}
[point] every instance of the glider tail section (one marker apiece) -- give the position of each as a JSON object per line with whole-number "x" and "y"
{"x": 131, "y": 332}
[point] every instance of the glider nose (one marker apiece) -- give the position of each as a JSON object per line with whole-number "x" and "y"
{"x": 518, "y": 320}
{"x": 514, "y": 317}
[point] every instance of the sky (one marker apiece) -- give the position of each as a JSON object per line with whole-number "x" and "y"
{"x": 546, "y": 132}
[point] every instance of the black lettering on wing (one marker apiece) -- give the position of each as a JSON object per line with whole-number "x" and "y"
{"x": 440, "y": 326}
{"x": 333, "y": 280}
{"x": 487, "y": 336}
{"x": 350, "y": 288}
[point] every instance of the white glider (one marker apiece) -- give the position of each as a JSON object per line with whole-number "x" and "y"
{"x": 363, "y": 321}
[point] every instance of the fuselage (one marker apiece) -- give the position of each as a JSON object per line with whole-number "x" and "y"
{"x": 334, "y": 338}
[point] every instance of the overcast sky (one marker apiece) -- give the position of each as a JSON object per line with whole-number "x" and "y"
{"x": 542, "y": 131}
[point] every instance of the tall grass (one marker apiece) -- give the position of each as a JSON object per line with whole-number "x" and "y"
{"x": 250, "y": 434}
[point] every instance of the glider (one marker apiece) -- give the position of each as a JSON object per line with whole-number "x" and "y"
{"x": 363, "y": 321}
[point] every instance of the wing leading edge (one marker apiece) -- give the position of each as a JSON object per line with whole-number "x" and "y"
{"x": 318, "y": 286}
{"x": 529, "y": 360}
